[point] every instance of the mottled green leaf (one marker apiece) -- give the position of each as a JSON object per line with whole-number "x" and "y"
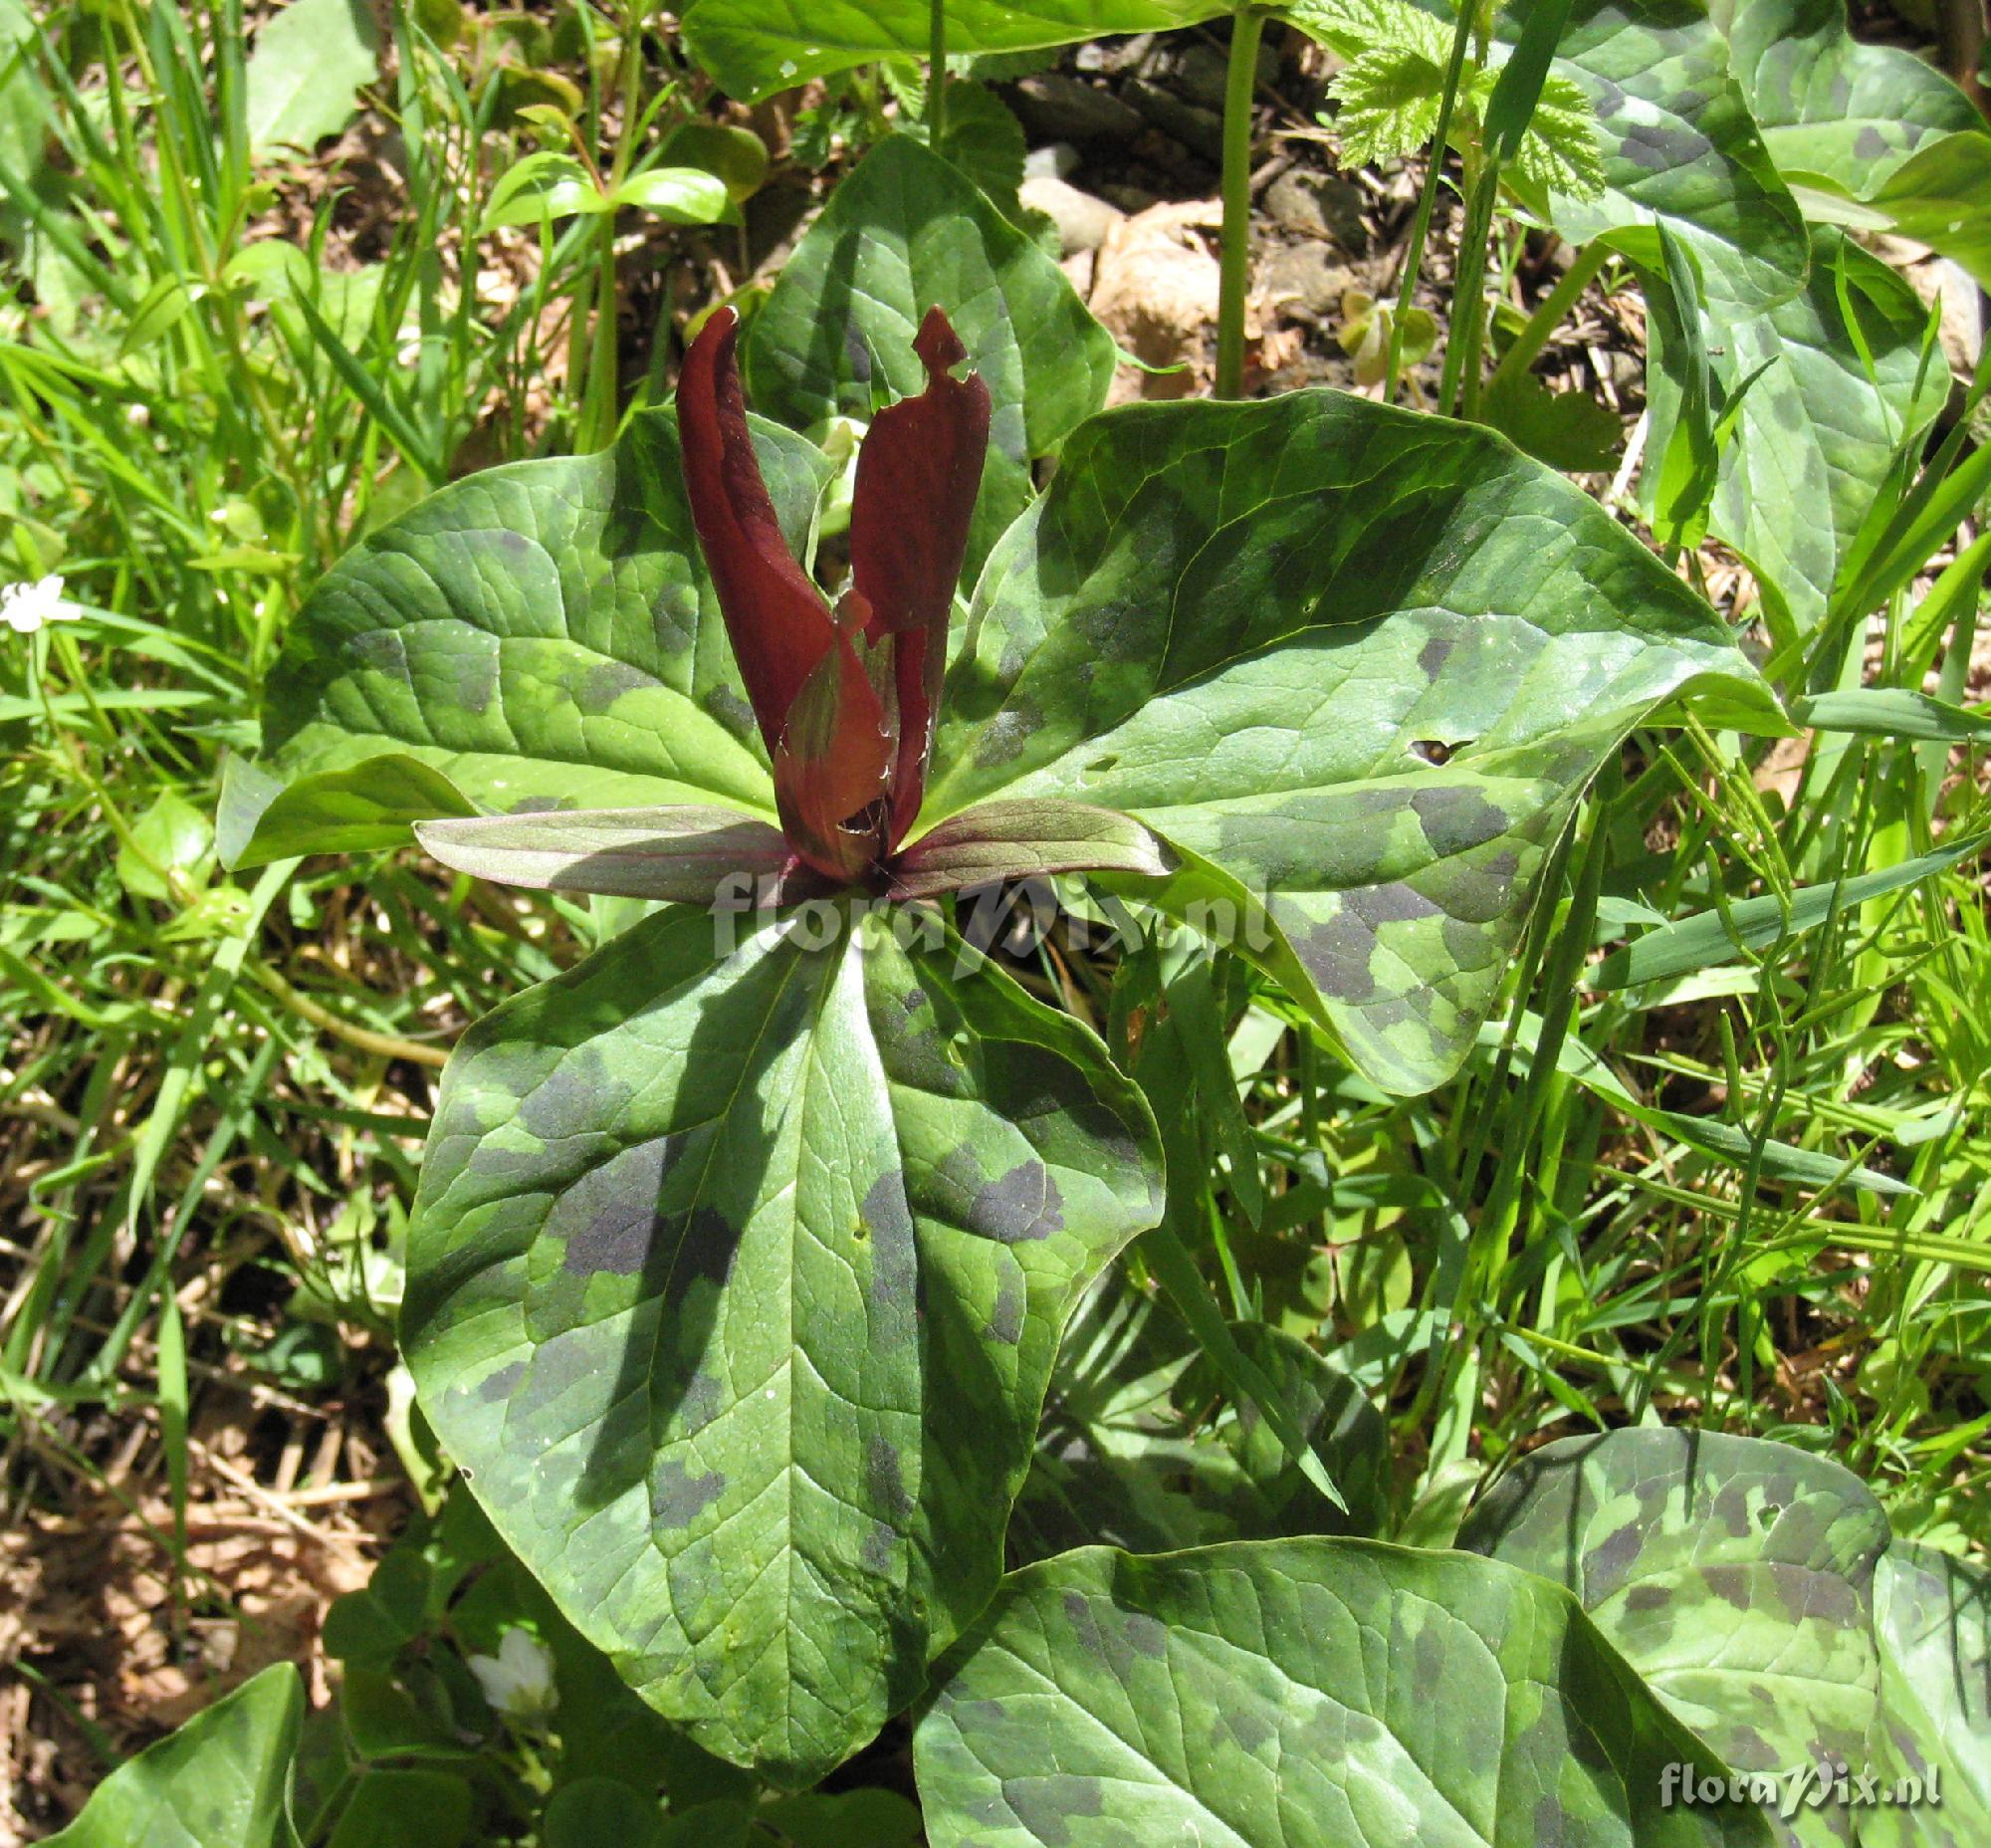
{"x": 757, "y": 46}
{"x": 1873, "y": 124}
{"x": 1361, "y": 661}
{"x": 1819, "y": 427}
{"x": 1018, "y": 839}
{"x": 1932, "y": 1616}
{"x": 1297, "y": 1693}
{"x": 904, "y": 232}
{"x": 718, "y": 1260}
{"x": 221, "y": 1781}
{"x": 688, "y": 855}
{"x": 305, "y": 73}
{"x": 1736, "y": 1575}
{"x": 544, "y": 635}
{"x": 1680, "y": 147}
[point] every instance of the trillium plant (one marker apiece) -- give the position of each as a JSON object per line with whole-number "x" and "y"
{"x": 747, "y": 1246}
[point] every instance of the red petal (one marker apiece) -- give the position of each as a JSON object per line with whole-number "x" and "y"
{"x": 833, "y": 764}
{"x": 776, "y": 620}
{"x": 917, "y": 476}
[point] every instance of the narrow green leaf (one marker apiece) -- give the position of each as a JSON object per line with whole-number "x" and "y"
{"x": 1891, "y": 712}
{"x": 1707, "y": 940}
{"x": 1519, "y": 86}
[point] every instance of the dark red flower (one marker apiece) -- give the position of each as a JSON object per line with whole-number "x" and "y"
{"x": 846, "y": 698}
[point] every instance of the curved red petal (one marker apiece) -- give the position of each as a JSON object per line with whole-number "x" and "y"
{"x": 918, "y": 473}
{"x": 775, "y": 618}
{"x": 833, "y": 764}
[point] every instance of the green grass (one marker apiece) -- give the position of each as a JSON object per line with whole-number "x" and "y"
{"x": 201, "y": 1077}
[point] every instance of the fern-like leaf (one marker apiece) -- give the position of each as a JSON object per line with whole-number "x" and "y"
{"x": 1559, "y": 154}
{"x": 1388, "y": 105}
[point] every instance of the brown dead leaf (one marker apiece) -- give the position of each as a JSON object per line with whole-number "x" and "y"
{"x": 1155, "y": 286}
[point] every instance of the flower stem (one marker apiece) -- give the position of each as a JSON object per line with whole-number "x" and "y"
{"x": 937, "y": 75}
{"x": 1414, "y": 257}
{"x": 1247, "y": 27}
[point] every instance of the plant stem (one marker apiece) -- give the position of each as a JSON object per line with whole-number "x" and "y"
{"x": 361, "y": 1039}
{"x": 1458, "y": 394}
{"x": 1414, "y": 257}
{"x": 937, "y": 75}
{"x": 1246, "y": 28}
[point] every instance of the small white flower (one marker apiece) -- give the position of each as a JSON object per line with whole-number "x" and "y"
{"x": 24, "y": 607}
{"x": 519, "y": 1680}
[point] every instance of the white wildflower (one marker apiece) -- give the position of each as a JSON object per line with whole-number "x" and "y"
{"x": 519, "y": 1680}
{"x": 24, "y": 607}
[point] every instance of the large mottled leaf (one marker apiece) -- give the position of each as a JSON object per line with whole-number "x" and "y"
{"x": 734, "y": 1282}
{"x": 1873, "y": 124}
{"x": 1932, "y": 1615}
{"x": 757, "y": 46}
{"x": 221, "y": 1781}
{"x": 543, "y": 634}
{"x": 904, "y": 233}
{"x": 1821, "y": 423}
{"x": 1679, "y": 147}
{"x": 1736, "y": 1575}
{"x": 1298, "y": 1693}
{"x": 1360, "y": 660}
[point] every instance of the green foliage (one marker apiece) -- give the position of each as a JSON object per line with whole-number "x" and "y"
{"x": 1721, "y": 1566}
{"x": 1388, "y": 91}
{"x": 754, "y": 48}
{"x": 1868, "y": 134}
{"x": 702, "y": 1192}
{"x": 1529, "y": 1066}
{"x": 1397, "y": 815}
{"x": 221, "y": 1781}
{"x": 306, "y": 71}
{"x": 1290, "y": 1693}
